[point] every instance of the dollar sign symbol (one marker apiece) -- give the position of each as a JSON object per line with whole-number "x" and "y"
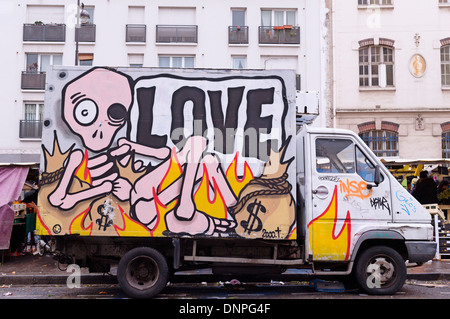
{"x": 253, "y": 210}
{"x": 374, "y": 280}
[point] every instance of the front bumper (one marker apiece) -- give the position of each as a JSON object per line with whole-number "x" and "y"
{"x": 421, "y": 251}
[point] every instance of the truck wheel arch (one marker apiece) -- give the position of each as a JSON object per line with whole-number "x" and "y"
{"x": 387, "y": 238}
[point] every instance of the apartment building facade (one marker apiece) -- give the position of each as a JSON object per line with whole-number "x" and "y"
{"x": 391, "y": 63}
{"x": 290, "y": 34}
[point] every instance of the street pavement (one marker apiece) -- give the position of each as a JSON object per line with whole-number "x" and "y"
{"x": 35, "y": 269}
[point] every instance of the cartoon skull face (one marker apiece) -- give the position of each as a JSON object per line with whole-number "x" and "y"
{"x": 96, "y": 106}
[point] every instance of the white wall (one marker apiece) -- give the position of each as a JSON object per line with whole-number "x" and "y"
{"x": 411, "y": 96}
{"x": 110, "y": 48}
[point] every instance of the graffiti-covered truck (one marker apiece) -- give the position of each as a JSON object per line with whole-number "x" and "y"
{"x": 159, "y": 170}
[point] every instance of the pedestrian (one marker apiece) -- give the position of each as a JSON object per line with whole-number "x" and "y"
{"x": 426, "y": 190}
{"x": 444, "y": 193}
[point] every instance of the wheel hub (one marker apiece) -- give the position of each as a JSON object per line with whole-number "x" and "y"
{"x": 142, "y": 272}
{"x": 381, "y": 268}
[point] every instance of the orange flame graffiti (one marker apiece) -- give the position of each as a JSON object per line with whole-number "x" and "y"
{"x": 214, "y": 207}
{"x": 76, "y": 226}
{"x": 130, "y": 226}
{"x": 324, "y": 242}
{"x": 236, "y": 183}
{"x": 82, "y": 171}
{"x": 173, "y": 173}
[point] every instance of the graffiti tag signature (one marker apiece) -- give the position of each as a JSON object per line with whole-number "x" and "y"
{"x": 407, "y": 204}
{"x": 354, "y": 188}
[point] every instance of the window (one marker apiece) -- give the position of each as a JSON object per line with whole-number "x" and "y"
{"x": 86, "y": 59}
{"x": 376, "y": 66}
{"x": 271, "y": 18}
{"x": 343, "y": 156}
{"x": 364, "y": 167}
{"x": 33, "y": 111}
{"x": 176, "y": 61}
{"x": 445, "y": 140}
{"x": 176, "y": 25}
{"x": 445, "y": 65}
{"x": 238, "y": 17}
{"x": 41, "y": 62}
{"x": 238, "y": 31}
{"x": 31, "y": 125}
{"x": 375, "y": 2}
{"x": 383, "y": 143}
{"x": 335, "y": 156}
{"x": 239, "y": 62}
{"x": 45, "y": 23}
{"x": 136, "y": 30}
{"x": 446, "y": 145}
{"x": 136, "y": 60}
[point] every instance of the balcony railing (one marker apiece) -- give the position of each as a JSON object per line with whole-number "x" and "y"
{"x": 44, "y": 32}
{"x": 176, "y": 34}
{"x": 136, "y": 33}
{"x": 30, "y": 129}
{"x": 238, "y": 35}
{"x": 279, "y": 35}
{"x": 85, "y": 33}
{"x": 33, "y": 80}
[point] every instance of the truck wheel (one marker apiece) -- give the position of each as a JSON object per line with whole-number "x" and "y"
{"x": 380, "y": 270}
{"x": 142, "y": 272}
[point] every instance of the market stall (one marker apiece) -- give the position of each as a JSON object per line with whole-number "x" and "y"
{"x": 17, "y": 180}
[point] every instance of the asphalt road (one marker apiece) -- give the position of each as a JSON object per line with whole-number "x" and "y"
{"x": 413, "y": 289}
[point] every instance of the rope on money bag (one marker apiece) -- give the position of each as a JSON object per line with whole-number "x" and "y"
{"x": 48, "y": 178}
{"x": 276, "y": 186}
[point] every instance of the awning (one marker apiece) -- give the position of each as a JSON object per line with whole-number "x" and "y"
{"x": 19, "y": 159}
{"x": 12, "y": 179}
{"x": 425, "y": 161}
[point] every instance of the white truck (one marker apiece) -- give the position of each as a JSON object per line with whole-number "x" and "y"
{"x": 161, "y": 170}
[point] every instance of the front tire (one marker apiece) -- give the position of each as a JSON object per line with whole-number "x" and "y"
{"x": 380, "y": 270}
{"x": 142, "y": 272}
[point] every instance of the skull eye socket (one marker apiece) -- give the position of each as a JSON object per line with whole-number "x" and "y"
{"x": 117, "y": 113}
{"x": 85, "y": 112}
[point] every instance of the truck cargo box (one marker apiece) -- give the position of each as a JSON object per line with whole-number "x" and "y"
{"x": 161, "y": 153}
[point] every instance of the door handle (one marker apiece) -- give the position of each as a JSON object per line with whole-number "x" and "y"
{"x": 321, "y": 191}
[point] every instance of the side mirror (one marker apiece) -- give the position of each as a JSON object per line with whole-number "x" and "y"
{"x": 377, "y": 178}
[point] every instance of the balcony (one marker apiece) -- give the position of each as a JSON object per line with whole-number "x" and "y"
{"x": 30, "y": 129}
{"x": 279, "y": 35}
{"x": 238, "y": 35}
{"x": 33, "y": 81}
{"x": 136, "y": 33}
{"x": 44, "y": 32}
{"x": 176, "y": 34}
{"x": 86, "y": 33}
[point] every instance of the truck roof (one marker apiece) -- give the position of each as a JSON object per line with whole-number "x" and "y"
{"x": 334, "y": 131}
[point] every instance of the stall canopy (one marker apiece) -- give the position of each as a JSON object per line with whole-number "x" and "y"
{"x": 12, "y": 179}
{"x": 414, "y": 162}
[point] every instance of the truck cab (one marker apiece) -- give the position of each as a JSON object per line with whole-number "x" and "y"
{"x": 353, "y": 211}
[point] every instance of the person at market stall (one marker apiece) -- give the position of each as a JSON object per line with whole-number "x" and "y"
{"x": 426, "y": 190}
{"x": 444, "y": 193}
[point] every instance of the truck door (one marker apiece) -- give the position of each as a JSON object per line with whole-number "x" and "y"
{"x": 344, "y": 197}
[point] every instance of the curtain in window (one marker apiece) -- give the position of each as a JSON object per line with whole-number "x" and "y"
{"x": 266, "y": 18}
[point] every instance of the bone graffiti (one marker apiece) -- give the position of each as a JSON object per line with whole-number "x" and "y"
{"x": 126, "y": 158}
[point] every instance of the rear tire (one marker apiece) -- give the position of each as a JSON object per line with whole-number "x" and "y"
{"x": 142, "y": 272}
{"x": 380, "y": 270}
